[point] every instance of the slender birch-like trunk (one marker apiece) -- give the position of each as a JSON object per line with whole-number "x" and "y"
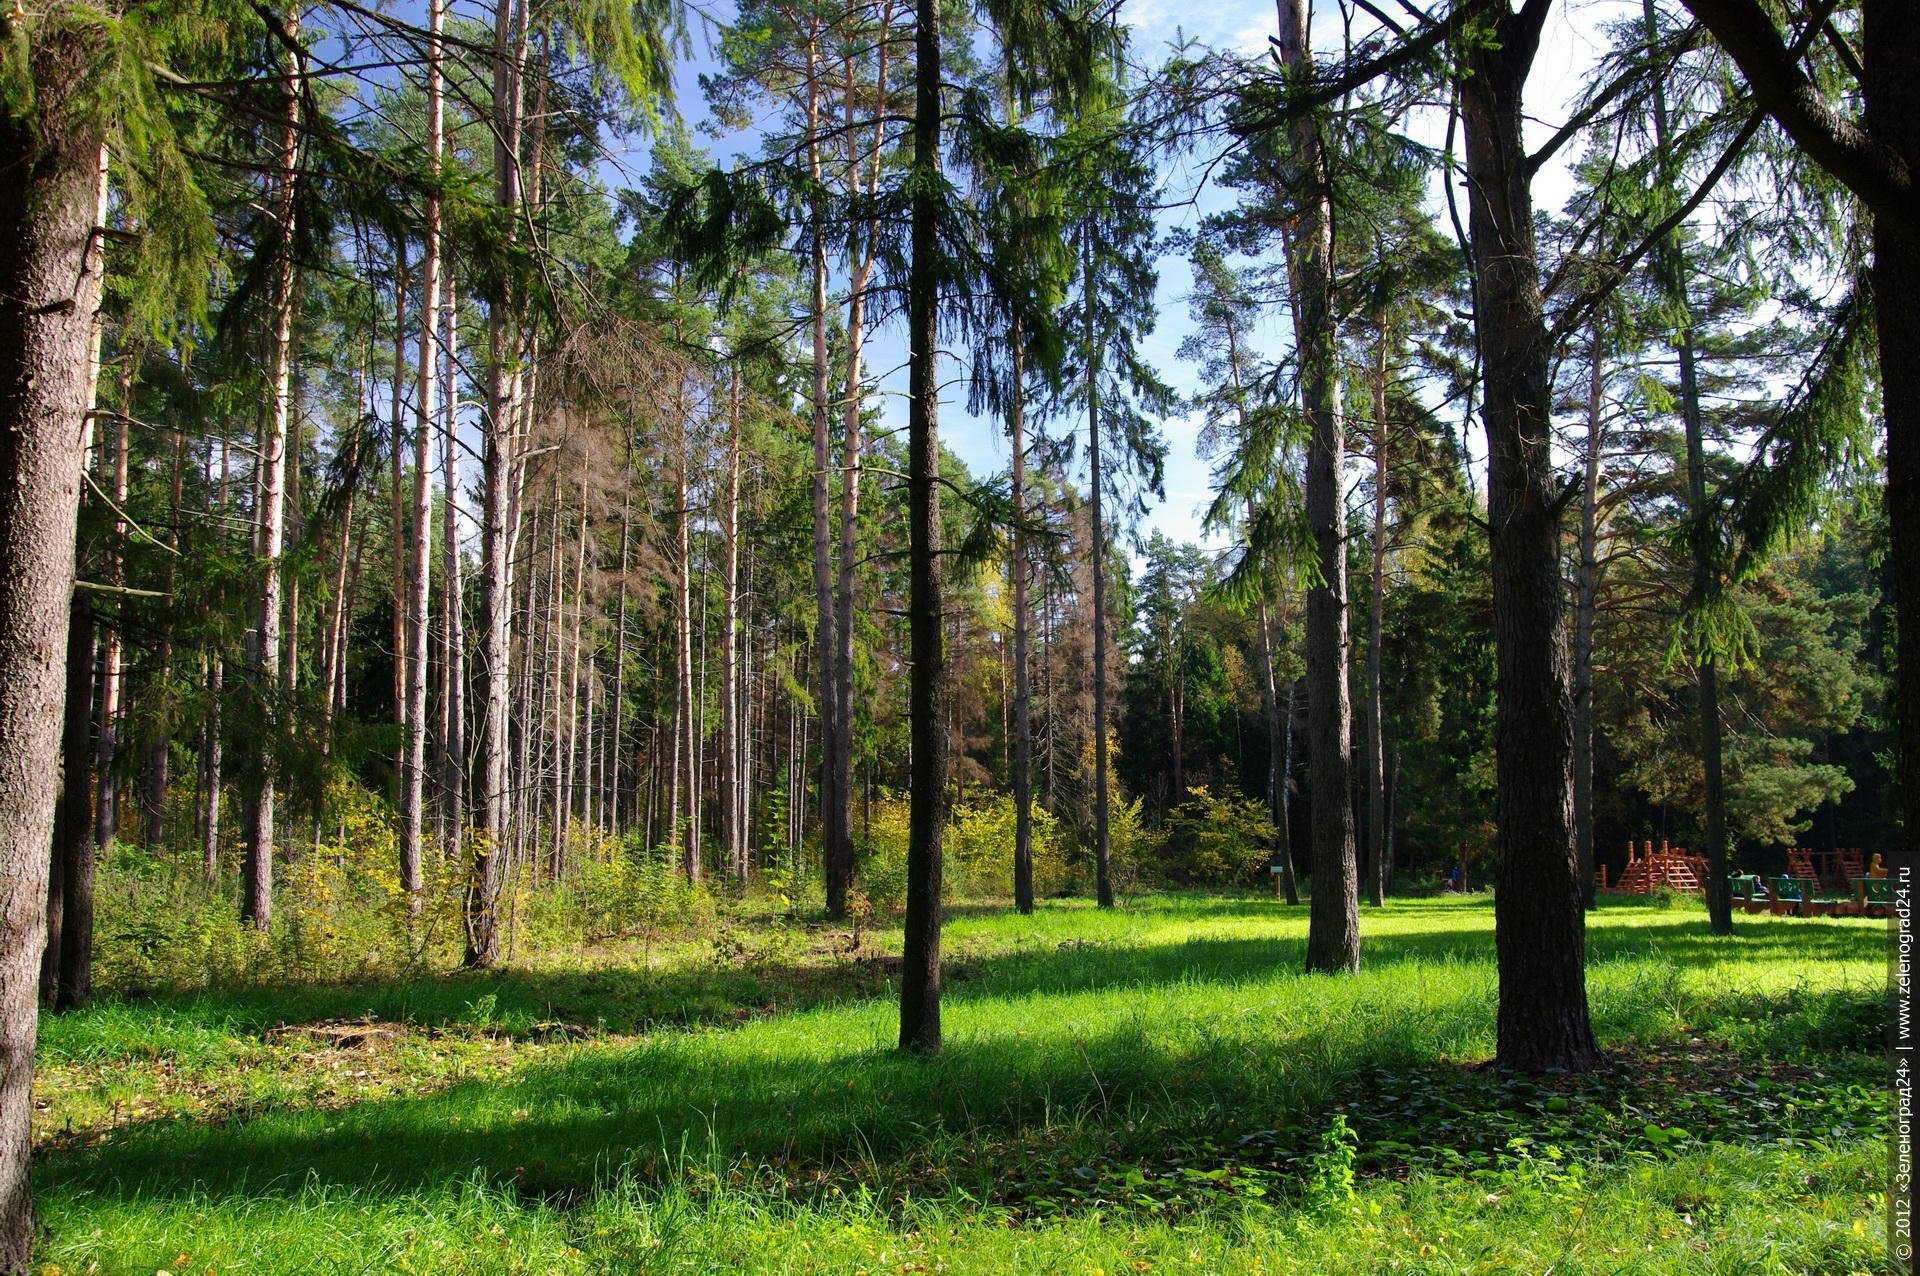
{"x": 256, "y": 905}
{"x": 1586, "y": 592}
{"x": 1376, "y": 722}
{"x": 453, "y": 776}
{"x": 496, "y": 616}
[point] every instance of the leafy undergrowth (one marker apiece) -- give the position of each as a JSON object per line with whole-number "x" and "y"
{"x": 1478, "y": 1123}
{"x": 1156, "y": 1088}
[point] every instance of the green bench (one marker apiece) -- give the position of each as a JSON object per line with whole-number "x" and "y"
{"x": 1800, "y": 896}
{"x": 1749, "y": 890}
{"x": 1873, "y": 896}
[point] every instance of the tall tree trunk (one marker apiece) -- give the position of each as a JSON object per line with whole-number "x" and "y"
{"x": 78, "y": 934}
{"x": 731, "y": 787}
{"x": 51, "y": 202}
{"x": 216, "y": 680}
{"x": 1671, "y": 260}
{"x": 153, "y": 771}
{"x": 1333, "y": 934}
{"x": 481, "y": 908}
{"x": 686, "y": 770}
{"x": 1022, "y": 685}
{"x": 836, "y": 849}
{"x": 1891, "y": 50}
{"x": 413, "y": 763}
{"x": 73, "y": 831}
{"x": 1376, "y": 720}
{"x": 453, "y": 778}
{"x": 569, "y": 762}
{"x": 1097, "y": 555}
{"x": 926, "y": 821}
{"x": 850, "y": 443}
{"x": 1586, "y": 601}
{"x": 1879, "y": 160}
{"x": 614, "y": 730}
{"x": 256, "y": 903}
{"x": 1276, "y": 755}
{"x": 1540, "y": 931}
{"x": 397, "y": 510}
{"x": 112, "y": 676}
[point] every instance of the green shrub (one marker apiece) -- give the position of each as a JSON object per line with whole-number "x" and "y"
{"x": 1217, "y": 841}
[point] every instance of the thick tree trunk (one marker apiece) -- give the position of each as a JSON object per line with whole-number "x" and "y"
{"x": 50, "y": 204}
{"x": 1022, "y": 686}
{"x": 1891, "y": 50}
{"x": 1540, "y": 934}
{"x": 926, "y": 822}
{"x": 1896, "y": 274}
{"x": 1333, "y": 928}
{"x": 256, "y": 902}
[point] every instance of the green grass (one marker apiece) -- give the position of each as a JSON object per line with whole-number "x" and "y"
{"x": 1149, "y": 1089}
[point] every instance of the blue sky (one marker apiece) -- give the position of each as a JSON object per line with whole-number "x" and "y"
{"x": 1569, "y": 45}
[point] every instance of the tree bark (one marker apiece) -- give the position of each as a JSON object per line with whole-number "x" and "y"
{"x": 1891, "y": 51}
{"x": 920, "y": 952}
{"x": 1879, "y": 160}
{"x": 1022, "y": 684}
{"x": 1276, "y": 754}
{"x": 413, "y": 764}
{"x": 256, "y": 905}
{"x": 1671, "y": 262}
{"x": 73, "y": 819}
{"x": 836, "y": 848}
{"x": 110, "y": 674}
{"x": 453, "y": 777}
{"x": 686, "y": 770}
{"x": 850, "y": 442}
{"x": 1333, "y": 927}
{"x": 1585, "y": 606}
{"x": 732, "y": 787}
{"x": 153, "y": 770}
{"x": 1540, "y": 933}
{"x": 1376, "y": 720}
{"x": 50, "y": 205}
{"x": 481, "y": 908}
{"x": 1097, "y": 553}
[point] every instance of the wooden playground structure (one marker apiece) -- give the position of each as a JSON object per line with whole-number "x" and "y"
{"x": 1648, "y": 870}
{"x": 1832, "y": 869}
{"x": 1842, "y": 873}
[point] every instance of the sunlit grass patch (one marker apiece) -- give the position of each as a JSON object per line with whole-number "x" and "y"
{"x": 1100, "y": 1104}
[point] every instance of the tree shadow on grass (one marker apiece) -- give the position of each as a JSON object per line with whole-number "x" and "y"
{"x": 828, "y": 1096}
{"x": 847, "y": 1108}
{"x": 622, "y": 999}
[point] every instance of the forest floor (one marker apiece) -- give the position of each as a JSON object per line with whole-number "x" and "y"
{"x": 1157, "y": 1088}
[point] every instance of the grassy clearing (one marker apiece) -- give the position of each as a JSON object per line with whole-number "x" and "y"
{"x": 1152, "y": 1089}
